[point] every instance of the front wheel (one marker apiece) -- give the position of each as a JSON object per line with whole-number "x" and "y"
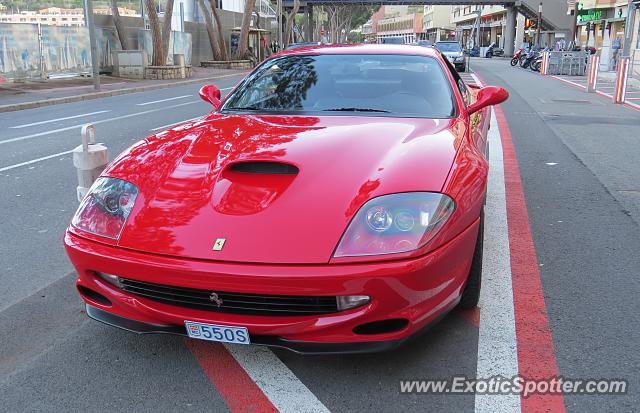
{"x": 514, "y": 61}
{"x": 471, "y": 293}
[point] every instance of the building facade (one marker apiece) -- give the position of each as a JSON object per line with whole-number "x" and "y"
{"x": 437, "y": 24}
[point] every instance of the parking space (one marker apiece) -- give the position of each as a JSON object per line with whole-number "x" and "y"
{"x": 557, "y": 297}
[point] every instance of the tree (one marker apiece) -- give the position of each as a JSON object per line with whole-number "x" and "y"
{"x": 166, "y": 29}
{"x": 221, "y": 42}
{"x": 289, "y": 25}
{"x": 158, "y": 58}
{"x": 244, "y": 30}
{"x": 215, "y": 46}
{"x": 120, "y": 32}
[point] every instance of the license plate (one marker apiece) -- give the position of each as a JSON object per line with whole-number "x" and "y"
{"x": 214, "y": 332}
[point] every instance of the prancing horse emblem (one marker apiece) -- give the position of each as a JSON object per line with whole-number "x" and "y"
{"x": 213, "y": 297}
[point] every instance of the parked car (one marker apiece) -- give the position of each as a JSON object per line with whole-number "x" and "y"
{"x": 453, "y": 52}
{"x": 333, "y": 202}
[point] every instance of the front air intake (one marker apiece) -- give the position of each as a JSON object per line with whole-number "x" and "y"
{"x": 265, "y": 167}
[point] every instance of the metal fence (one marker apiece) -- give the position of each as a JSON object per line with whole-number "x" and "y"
{"x": 567, "y": 63}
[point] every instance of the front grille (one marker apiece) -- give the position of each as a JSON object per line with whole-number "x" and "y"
{"x": 236, "y": 303}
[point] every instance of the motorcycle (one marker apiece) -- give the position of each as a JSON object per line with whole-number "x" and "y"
{"x": 526, "y": 60}
{"x": 493, "y": 50}
{"x": 537, "y": 62}
{"x": 516, "y": 56}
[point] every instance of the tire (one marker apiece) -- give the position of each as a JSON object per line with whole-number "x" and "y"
{"x": 471, "y": 293}
{"x": 522, "y": 60}
{"x": 535, "y": 66}
{"x": 514, "y": 61}
{"x": 462, "y": 69}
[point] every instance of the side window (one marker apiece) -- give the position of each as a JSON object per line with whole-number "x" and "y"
{"x": 459, "y": 82}
{"x": 464, "y": 92}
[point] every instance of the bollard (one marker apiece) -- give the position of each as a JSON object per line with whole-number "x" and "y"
{"x": 594, "y": 67}
{"x": 544, "y": 67}
{"x": 620, "y": 92}
{"x": 90, "y": 158}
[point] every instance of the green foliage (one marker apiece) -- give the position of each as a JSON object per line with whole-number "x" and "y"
{"x": 355, "y": 37}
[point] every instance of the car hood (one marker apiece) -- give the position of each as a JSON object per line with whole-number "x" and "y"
{"x": 191, "y": 193}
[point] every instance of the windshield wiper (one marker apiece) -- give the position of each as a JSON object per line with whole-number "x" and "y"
{"x": 355, "y": 110}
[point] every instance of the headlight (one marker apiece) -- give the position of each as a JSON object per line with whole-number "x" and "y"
{"x": 105, "y": 209}
{"x": 395, "y": 223}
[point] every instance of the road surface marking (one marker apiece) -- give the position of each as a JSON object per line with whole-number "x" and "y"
{"x": 535, "y": 348}
{"x": 58, "y": 119}
{"x": 239, "y": 391}
{"x": 163, "y": 100}
{"x": 6, "y": 168}
{"x": 130, "y": 115}
{"x": 570, "y": 82}
{"x": 287, "y": 393}
{"x": 173, "y": 124}
{"x": 497, "y": 344}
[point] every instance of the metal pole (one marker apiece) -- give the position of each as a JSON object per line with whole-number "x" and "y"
{"x": 94, "y": 47}
{"x": 575, "y": 22}
{"x": 538, "y": 25}
{"x": 628, "y": 29}
{"x": 279, "y": 7}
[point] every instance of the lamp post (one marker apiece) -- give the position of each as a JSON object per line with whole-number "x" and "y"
{"x": 92, "y": 41}
{"x": 538, "y": 25}
{"x": 628, "y": 29}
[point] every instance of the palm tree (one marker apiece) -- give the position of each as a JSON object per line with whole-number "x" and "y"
{"x": 118, "y": 23}
{"x": 244, "y": 30}
{"x": 221, "y": 42}
{"x": 215, "y": 45}
{"x": 166, "y": 28}
{"x": 158, "y": 58}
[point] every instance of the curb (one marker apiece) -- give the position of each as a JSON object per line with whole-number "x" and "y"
{"x": 96, "y": 95}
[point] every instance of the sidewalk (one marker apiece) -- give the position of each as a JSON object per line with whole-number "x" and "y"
{"x": 31, "y": 94}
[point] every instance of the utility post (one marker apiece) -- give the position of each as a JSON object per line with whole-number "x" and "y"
{"x": 95, "y": 66}
{"x": 538, "y": 25}
{"x": 279, "y": 11}
{"x": 628, "y": 29}
{"x": 575, "y": 22}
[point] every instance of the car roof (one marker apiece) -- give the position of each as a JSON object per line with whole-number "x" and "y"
{"x": 356, "y": 49}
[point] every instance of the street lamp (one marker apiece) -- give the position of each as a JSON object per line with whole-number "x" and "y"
{"x": 538, "y": 26}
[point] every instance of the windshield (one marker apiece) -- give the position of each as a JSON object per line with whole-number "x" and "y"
{"x": 448, "y": 47}
{"x": 375, "y": 85}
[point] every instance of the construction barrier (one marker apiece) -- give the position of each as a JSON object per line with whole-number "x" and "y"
{"x": 620, "y": 91}
{"x": 566, "y": 63}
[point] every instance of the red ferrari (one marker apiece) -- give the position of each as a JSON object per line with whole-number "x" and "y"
{"x": 331, "y": 203}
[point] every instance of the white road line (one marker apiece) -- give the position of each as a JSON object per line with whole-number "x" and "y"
{"x": 163, "y": 100}
{"x": 6, "y": 168}
{"x": 287, "y": 393}
{"x": 173, "y": 124}
{"x": 58, "y": 119}
{"x": 130, "y": 115}
{"x": 497, "y": 345}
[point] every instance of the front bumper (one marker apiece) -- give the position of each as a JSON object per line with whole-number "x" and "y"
{"x": 418, "y": 290}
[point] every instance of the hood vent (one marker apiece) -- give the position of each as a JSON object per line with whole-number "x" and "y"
{"x": 265, "y": 167}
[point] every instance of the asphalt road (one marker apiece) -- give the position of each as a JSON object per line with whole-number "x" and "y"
{"x": 577, "y": 157}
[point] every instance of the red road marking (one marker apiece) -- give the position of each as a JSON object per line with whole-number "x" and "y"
{"x": 536, "y": 352}
{"x": 241, "y": 394}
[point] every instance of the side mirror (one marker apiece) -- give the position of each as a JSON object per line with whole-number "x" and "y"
{"x": 488, "y": 96}
{"x": 211, "y": 94}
